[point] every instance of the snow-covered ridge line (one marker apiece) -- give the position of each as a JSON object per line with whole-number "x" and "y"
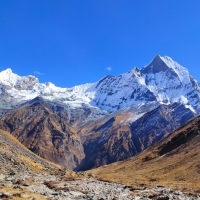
{"x": 163, "y": 81}
{"x": 182, "y": 72}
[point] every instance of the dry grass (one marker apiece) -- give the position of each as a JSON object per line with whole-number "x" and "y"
{"x": 178, "y": 168}
{"x": 33, "y": 165}
{"x": 21, "y": 194}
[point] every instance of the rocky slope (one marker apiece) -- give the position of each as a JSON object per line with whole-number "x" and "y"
{"x": 117, "y": 138}
{"x": 45, "y": 133}
{"x": 173, "y": 162}
{"x": 18, "y": 167}
{"x": 77, "y": 117}
{"x": 23, "y": 175}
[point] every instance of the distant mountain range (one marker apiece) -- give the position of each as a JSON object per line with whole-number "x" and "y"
{"x": 94, "y": 124}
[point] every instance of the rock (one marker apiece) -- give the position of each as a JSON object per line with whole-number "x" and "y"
{"x": 6, "y": 195}
{"x": 2, "y": 177}
{"x": 55, "y": 193}
{"x": 76, "y": 193}
{"x": 12, "y": 173}
{"x": 9, "y": 179}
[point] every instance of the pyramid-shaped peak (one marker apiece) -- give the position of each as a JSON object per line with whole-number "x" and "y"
{"x": 162, "y": 64}
{"x": 157, "y": 56}
{"x": 157, "y": 65}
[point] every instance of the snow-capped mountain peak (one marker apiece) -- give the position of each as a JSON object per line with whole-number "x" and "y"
{"x": 11, "y": 80}
{"x": 164, "y": 64}
{"x": 163, "y": 81}
{"x": 7, "y": 71}
{"x": 8, "y": 78}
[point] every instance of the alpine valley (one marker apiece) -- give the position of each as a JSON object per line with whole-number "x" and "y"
{"x": 148, "y": 119}
{"x": 94, "y": 124}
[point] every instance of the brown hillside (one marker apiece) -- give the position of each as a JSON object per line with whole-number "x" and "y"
{"x": 173, "y": 162}
{"x": 9, "y": 144}
{"x": 45, "y": 133}
{"x": 115, "y": 138}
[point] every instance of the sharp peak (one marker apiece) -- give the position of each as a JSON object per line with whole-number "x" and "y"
{"x": 159, "y": 57}
{"x": 37, "y": 100}
{"x": 162, "y": 63}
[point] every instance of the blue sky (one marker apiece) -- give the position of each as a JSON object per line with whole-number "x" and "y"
{"x": 71, "y": 42}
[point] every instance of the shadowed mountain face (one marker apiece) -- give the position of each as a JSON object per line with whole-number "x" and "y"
{"x": 113, "y": 140}
{"x": 174, "y": 161}
{"x": 156, "y": 66}
{"x": 45, "y": 133}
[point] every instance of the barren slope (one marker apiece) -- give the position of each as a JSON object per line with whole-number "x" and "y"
{"x": 18, "y": 164}
{"x": 44, "y": 133}
{"x": 126, "y": 134}
{"x": 173, "y": 162}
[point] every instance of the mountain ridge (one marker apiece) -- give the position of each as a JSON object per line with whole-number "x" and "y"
{"x": 104, "y": 115}
{"x": 163, "y": 80}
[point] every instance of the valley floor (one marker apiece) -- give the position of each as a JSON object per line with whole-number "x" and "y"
{"x": 64, "y": 188}
{"x": 24, "y": 175}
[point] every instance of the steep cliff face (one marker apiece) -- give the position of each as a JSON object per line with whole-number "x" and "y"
{"x": 128, "y": 134}
{"x": 45, "y": 133}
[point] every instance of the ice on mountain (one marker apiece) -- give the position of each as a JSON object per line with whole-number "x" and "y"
{"x": 163, "y": 81}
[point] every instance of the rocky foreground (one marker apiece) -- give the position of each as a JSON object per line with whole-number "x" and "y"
{"x": 52, "y": 187}
{"x": 23, "y": 175}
